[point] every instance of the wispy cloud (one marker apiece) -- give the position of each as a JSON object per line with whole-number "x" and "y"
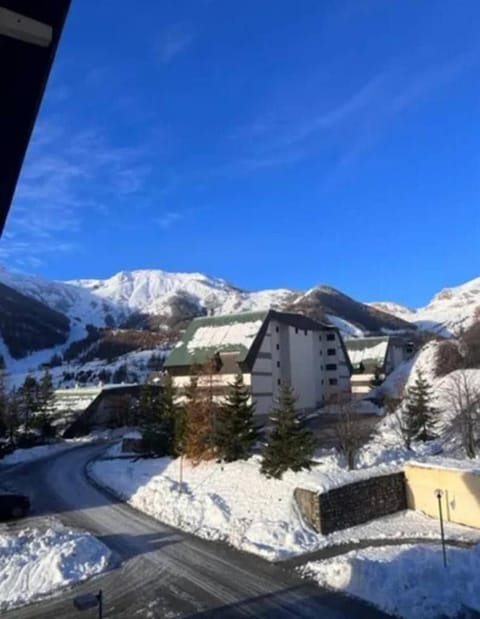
{"x": 166, "y": 220}
{"x": 351, "y": 125}
{"x": 69, "y": 178}
{"x": 172, "y": 42}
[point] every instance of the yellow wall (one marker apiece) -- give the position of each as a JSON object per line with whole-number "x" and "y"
{"x": 461, "y": 493}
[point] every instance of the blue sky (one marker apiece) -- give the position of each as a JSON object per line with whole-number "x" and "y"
{"x": 273, "y": 143}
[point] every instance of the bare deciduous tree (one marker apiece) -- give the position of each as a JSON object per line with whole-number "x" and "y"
{"x": 350, "y": 432}
{"x": 463, "y": 397}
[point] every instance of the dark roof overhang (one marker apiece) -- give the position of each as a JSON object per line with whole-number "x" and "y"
{"x": 27, "y": 49}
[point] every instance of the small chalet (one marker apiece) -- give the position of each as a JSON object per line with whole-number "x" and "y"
{"x": 269, "y": 348}
{"x": 373, "y": 358}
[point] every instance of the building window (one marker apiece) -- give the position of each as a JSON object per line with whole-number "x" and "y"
{"x": 278, "y": 381}
{"x": 278, "y": 364}
{"x": 321, "y": 352}
{"x": 319, "y": 338}
{"x": 278, "y": 346}
{"x": 330, "y": 337}
{"x": 306, "y": 332}
{"x": 322, "y": 381}
{"x": 331, "y": 367}
{"x": 277, "y": 329}
{"x": 332, "y": 381}
{"x": 331, "y": 352}
{"x": 296, "y": 330}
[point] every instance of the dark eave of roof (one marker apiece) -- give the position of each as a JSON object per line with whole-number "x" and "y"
{"x": 25, "y": 70}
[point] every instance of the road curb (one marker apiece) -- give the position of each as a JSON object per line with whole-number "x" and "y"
{"x": 336, "y": 550}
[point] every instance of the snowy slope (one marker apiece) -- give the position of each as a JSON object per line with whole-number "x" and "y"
{"x": 79, "y": 304}
{"x": 396, "y": 309}
{"x": 448, "y": 311}
{"x": 151, "y": 291}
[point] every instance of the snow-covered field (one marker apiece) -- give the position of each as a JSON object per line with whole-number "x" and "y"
{"x": 235, "y": 503}
{"x": 35, "y": 563}
{"x": 407, "y": 581}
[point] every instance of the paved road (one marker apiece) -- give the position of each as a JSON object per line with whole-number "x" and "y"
{"x": 162, "y": 572}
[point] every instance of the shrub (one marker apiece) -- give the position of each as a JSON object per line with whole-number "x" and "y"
{"x": 448, "y": 358}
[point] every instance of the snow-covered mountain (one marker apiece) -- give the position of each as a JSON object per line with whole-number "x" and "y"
{"x": 155, "y": 291}
{"x": 448, "y": 311}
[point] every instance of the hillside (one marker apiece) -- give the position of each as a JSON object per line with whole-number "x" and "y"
{"x": 105, "y": 323}
{"x": 27, "y": 325}
{"x": 449, "y": 311}
{"x": 350, "y": 316}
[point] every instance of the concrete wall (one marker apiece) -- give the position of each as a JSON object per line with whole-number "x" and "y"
{"x": 461, "y": 493}
{"x": 352, "y": 504}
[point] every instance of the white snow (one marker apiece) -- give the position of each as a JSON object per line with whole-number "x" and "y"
{"x": 152, "y": 290}
{"x": 345, "y": 327}
{"x": 35, "y": 563}
{"x": 369, "y": 352}
{"x": 232, "y": 334}
{"x": 448, "y": 311}
{"x": 406, "y": 581}
{"x": 20, "y": 456}
{"x": 235, "y": 503}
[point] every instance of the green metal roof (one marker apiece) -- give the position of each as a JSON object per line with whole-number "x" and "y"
{"x": 210, "y": 334}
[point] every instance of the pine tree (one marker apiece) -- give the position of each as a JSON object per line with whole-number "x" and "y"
{"x": 235, "y": 431}
{"x": 288, "y": 446}
{"x": 147, "y": 404}
{"x": 197, "y": 440}
{"x": 29, "y": 400}
{"x": 45, "y": 403}
{"x": 3, "y": 404}
{"x": 419, "y": 417}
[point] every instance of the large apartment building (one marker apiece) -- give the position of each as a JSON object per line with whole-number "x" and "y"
{"x": 269, "y": 348}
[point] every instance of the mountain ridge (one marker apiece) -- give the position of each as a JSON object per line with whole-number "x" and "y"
{"x": 111, "y": 313}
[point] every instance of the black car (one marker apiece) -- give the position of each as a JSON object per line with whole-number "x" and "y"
{"x": 13, "y": 506}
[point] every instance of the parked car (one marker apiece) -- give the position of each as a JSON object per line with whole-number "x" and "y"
{"x": 14, "y": 506}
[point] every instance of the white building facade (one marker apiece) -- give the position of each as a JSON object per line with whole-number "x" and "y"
{"x": 272, "y": 348}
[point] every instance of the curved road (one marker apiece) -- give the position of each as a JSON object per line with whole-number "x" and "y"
{"x": 162, "y": 572}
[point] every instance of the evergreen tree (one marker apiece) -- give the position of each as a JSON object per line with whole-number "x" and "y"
{"x": 419, "y": 417}
{"x": 148, "y": 404}
{"x": 12, "y": 414}
{"x": 3, "y": 404}
{"x": 235, "y": 432}
{"x": 289, "y": 446}
{"x": 45, "y": 404}
{"x": 172, "y": 415}
{"x": 28, "y": 400}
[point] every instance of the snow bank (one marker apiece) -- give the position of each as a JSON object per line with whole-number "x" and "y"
{"x": 235, "y": 503}
{"x": 35, "y": 563}
{"x": 19, "y": 456}
{"x": 407, "y": 581}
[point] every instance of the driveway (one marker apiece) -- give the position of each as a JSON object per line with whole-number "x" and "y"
{"x": 162, "y": 572}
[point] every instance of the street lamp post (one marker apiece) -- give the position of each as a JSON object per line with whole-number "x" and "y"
{"x": 439, "y": 495}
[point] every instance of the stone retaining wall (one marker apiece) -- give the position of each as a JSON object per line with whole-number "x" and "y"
{"x": 352, "y": 504}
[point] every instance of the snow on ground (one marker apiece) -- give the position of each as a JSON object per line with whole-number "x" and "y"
{"x": 235, "y": 503}
{"x": 448, "y": 311}
{"x": 407, "y": 581}
{"x": 35, "y": 563}
{"x": 345, "y": 327}
{"x": 20, "y": 456}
